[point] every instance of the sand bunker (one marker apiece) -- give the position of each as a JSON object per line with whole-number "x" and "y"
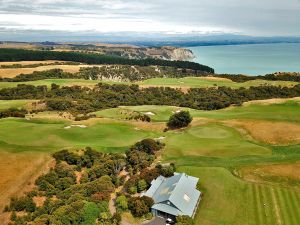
{"x": 149, "y": 113}
{"x": 80, "y": 126}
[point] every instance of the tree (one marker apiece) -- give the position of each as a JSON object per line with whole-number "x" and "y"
{"x": 148, "y": 145}
{"x": 122, "y": 203}
{"x": 138, "y": 206}
{"x": 179, "y": 120}
{"x": 142, "y": 185}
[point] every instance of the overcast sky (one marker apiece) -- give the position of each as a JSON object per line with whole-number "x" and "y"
{"x": 247, "y": 17}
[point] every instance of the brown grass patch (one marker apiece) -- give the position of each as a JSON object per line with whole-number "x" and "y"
{"x": 25, "y": 63}
{"x": 10, "y": 73}
{"x": 285, "y": 173}
{"x": 39, "y": 200}
{"x": 51, "y": 116}
{"x": 18, "y": 173}
{"x": 275, "y": 133}
{"x": 271, "y": 101}
{"x": 214, "y": 78}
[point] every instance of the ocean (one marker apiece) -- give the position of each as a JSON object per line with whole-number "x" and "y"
{"x": 254, "y": 59}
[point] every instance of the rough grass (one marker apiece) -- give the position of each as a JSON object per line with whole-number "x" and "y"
{"x": 18, "y": 173}
{"x": 271, "y": 132}
{"x": 284, "y": 174}
{"x": 13, "y": 72}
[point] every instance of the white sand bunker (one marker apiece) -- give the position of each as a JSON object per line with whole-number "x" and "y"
{"x": 137, "y": 128}
{"x": 80, "y": 126}
{"x": 149, "y": 113}
{"x": 177, "y": 111}
{"x": 160, "y": 138}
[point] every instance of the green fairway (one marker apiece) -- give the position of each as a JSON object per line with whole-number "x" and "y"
{"x": 287, "y": 111}
{"x": 48, "y": 135}
{"x": 203, "y": 82}
{"x": 187, "y": 82}
{"x": 230, "y": 201}
{"x": 6, "y": 104}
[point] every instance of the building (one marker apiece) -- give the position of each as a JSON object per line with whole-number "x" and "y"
{"x": 174, "y": 196}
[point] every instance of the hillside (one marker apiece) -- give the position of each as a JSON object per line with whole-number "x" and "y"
{"x": 243, "y": 141}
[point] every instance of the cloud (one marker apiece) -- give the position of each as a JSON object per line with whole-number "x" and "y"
{"x": 265, "y": 17}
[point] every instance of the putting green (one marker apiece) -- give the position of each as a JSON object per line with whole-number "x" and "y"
{"x": 210, "y": 140}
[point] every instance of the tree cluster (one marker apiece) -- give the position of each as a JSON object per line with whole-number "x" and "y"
{"x": 78, "y": 100}
{"x": 13, "y": 112}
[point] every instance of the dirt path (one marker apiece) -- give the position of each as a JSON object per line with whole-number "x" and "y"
{"x": 113, "y": 196}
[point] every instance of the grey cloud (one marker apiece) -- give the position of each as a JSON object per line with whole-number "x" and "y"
{"x": 264, "y": 17}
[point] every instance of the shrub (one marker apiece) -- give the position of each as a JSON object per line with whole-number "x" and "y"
{"x": 122, "y": 203}
{"x": 138, "y": 206}
{"x": 142, "y": 185}
{"x": 179, "y": 120}
{"x": 184, "y": 220}
{"x": 148, "y": 145}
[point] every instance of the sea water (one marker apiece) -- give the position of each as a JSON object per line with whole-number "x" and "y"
{"x": 254, "y": 59}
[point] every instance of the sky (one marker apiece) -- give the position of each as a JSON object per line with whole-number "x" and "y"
{"x": 171, "y": 17}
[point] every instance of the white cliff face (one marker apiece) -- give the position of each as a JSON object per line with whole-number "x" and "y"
{"x": 169, "y": 53}
{"x": 182, "y": 54}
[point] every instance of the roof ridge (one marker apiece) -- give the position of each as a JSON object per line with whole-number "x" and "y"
{"x": 164, "y": 178}
{"x": 182, "y": 175}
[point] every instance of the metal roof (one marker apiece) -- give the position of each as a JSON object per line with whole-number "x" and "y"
{"x": 180, "y": 190}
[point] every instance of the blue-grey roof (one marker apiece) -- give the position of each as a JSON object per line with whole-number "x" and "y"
{"x": 177, "y": 192}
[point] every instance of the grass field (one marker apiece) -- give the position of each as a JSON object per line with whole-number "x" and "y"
{"x": 283, "y": 111}
{"x": 14, "y": 104}
{"x": 48, "y": 82}
{"x": 203, "y": 82}
{"x": 184, "y": 83}
{"x": 51, "y": 135}
{"x": 230, "y": 201}
{"x": 13, "y": 72}
{"x": 215, "y": 149}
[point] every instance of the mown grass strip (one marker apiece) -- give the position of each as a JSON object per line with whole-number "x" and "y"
{"x": 256, "y": 215}
{"x": 289, "y": 206}
{"x": 269, "y": 206}
{"x": 259, "y": 205}
{"x": 283, "y": 207}
{"x": 295, "y": 201}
